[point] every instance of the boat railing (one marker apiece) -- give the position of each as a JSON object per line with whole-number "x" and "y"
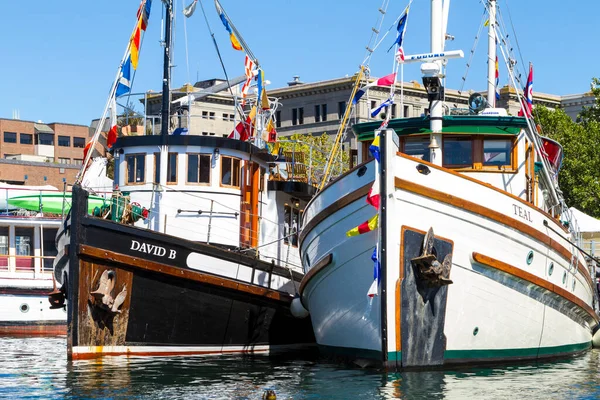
{"x": 17, "y": 264}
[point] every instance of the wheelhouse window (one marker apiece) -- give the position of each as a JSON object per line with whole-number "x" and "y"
{"x": 293, "y": 216}
{"x": 230, "y": 171}
{"x": 49, "y": 247}
{"x": 172, "y": 168}
{"x": 458, "y": 151}
{"x": 3, "y": 247}
{"x": 198, "y": 168}
{"x": 497, "y": 152}
{"x": 417, "y": 147}
{"x": 136, "y": 168}
{"x": 23, "y": 248}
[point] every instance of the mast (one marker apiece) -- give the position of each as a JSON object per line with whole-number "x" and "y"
{"x": 160, "y": 223}
{"x": 431, "y": 78}
{"x": 164, "y": 122}
{"x": 491, "y": 89}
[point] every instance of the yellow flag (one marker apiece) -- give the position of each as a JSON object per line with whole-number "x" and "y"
{"x": 234, "y": 42}
{"x": 365, "y": 227}
{"x": 487, "y": 22}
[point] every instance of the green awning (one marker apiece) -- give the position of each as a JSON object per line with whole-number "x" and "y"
{"x": 455, "y": 124}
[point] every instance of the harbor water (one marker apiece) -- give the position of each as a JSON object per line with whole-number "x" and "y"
{"x": 37, "y": 368}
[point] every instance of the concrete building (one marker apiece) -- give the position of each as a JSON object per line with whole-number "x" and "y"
{"x": 573, "y": 104}
{"x": 35, "y": 153}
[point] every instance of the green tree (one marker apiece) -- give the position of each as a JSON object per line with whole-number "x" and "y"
{"x": 316, "y": 150}
{"x": 579, "y": 177}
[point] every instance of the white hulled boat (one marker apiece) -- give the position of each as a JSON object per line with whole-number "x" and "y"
{"x": 477, "y": 261}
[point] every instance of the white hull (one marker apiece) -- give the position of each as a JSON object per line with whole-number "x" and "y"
{"x": 488, "y": 313}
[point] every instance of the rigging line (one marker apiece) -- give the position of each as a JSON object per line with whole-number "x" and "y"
{"x": 375, "y": 32}
{"x": 475, "y": 43}
{"x": 212, "y": 35}
{"x": 573, "y": 244}
{"x": 185, "y": 36}
{"x": 514, "y": 34}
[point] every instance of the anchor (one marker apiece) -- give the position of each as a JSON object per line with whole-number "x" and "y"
{"x": 429, "y": 269}
{"x": 103, "y": 295}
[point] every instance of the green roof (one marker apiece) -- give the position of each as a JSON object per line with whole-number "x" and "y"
{"x": 467, "y": 124}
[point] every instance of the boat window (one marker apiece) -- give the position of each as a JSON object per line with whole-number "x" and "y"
{"x": 497, "y": 151}
{"x": 49, "y": 248}
{"x": 198, "y": 169}
{"x": 136, "y": 168}
{"x": 230, "y": 171}
{"x": 293, "y": 216}
{"x": 172, "y": 168}
{"x": 417, "y": 147}
{"x": 3, "y": 247}
{"x": 458, "y": 151}
{"x": 23, "y": 251}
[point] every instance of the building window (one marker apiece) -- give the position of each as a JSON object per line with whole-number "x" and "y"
{"x": 64, "y": 160}
{"x": 417, "y": 147}
{"x": 46, "y": 139}
{"x": 205, "y": 114}
{"x": 497, "y": 151}
{"x": 78, "y": 161}
{"x": 230, "y": 171}
{"x": 393, "y": 111}
{"x": 232, "y": 117}
{"x": 300, "y": 115}
{"x": 341, "y": 109}
{"x": 136, "y": 168}
{"x": 278, "y": 119}
{"x": 323, "y": 112}
{"x": 458, "y": 151}
{"x": 198, "y": 168}
{"x": 211, "y": 115}
{"x": 225, "y": 117}
{"x": 405, "y": 115}
{"x": 10, "y": 137}
{"x": 64, "y": 141}
{"x": 294, "y": 116}
{"x": 317, "y": 113}
{"x": 26, "y": 138}
{"x": 79, "y": 142}
{"x": 172, "y": 168}
{"x": 293, "y": 216}
{"x": 373, "y": 104}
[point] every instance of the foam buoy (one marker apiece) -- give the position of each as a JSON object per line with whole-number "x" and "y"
{"x": 298, "y": 309}
{"x": 596, "y": 339}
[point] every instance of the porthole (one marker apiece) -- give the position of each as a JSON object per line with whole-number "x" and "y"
{"x": 24, "y": 307}
{"x": 530, "y": 257}
{"x": 564, "y": 277}
{"x": 551, "y": 268}
{"x": 475, "y": 331}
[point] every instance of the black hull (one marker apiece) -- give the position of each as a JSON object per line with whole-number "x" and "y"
{"x": 170, "y": 308}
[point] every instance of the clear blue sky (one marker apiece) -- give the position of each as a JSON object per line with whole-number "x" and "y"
{"x": 60, "y": 57}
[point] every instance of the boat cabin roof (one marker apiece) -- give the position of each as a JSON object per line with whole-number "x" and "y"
{"x": 455, "y": 124}
{"x": 194, "y": 140}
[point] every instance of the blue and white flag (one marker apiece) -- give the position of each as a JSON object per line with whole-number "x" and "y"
{"x": 124, "y": 84}
{"x": 401, "y": 29}
{"x": 374, "y": 289}
{"x": 376, "y": 111}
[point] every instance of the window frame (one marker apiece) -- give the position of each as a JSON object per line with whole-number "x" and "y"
{"x": 134, "y": 155}
{"x": 200, "y": 155}
{"x": 29, "y": 135}
{"x": 4, "y": 137}
{"x": 68, "y": 138}
{"x": 239, "y": 172}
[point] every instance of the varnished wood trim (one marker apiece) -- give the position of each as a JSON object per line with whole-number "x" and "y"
{"x": 536, "y": 280}
{"x": 324, "y": 262}
{"x": 333, "y": 207}
{"x": 196, "y": 276}
{"x": 487, "y": 185}
{"x": 494, "y": 216}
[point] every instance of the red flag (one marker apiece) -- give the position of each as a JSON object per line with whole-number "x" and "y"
{"x": 111, "y": 137}
{"x": 528, "y": 95}
{"x": 86, "y": 149}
